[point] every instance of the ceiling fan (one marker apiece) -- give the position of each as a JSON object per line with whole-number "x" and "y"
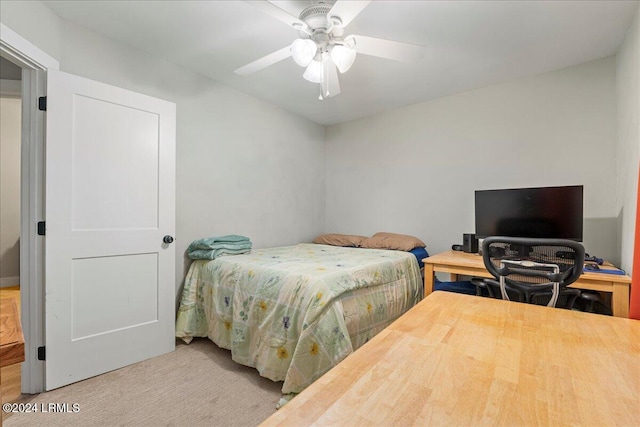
{"x": 323, "y": 49}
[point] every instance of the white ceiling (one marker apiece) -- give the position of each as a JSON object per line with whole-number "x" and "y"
{"x": 469, "y": 44}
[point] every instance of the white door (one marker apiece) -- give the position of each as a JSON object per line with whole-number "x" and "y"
{"x": 110, "y": 200}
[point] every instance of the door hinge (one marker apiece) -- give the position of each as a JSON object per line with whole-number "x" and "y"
{"x": 41, "y": 353}
{"x": 42, "y": 103}
{"x": 41, "y": 228}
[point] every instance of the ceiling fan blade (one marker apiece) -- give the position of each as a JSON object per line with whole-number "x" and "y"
{"x": 292, "y": 7}
{"x": 265, "y": 61}
{"x": 388, "y": 49}
{"x": 346, "y": 10}
{"x": 330, "y": 84}
{"x": 278, "y": 13}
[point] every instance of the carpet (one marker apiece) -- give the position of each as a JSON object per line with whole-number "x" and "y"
{"x": 196, "y": 385}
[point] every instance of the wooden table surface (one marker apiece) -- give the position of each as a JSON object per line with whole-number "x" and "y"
{"x": 465, "y": 361}
{"x": 11, "y": 338}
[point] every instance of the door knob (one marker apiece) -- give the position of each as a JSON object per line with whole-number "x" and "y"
{"x": 167, "y": 239}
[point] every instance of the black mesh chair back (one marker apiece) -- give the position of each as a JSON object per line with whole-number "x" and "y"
{"x": 534, "y": 269}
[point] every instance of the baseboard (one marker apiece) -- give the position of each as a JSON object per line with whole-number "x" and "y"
{"x": 6, "y": 282}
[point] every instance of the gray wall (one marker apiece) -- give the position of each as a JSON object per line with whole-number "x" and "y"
{"x": 9, "y": 174}
{"x": 243, "y": 166}
{"x": 628, "y": 158}
{"x": 414, "y": 170}
{"x": 9, "y": 70}
{"x": 10, "y": 114}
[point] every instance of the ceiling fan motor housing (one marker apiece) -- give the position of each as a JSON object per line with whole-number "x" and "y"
{"x": 324, "y": 29}
{"x": 311, "y": 13}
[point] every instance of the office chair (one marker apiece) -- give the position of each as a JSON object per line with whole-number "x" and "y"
{"x": 535, "y": 271}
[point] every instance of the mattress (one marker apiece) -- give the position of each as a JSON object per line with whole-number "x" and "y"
{"x": 294, "y": 312}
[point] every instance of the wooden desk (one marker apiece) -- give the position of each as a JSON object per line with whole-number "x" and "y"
{"x": 461, "y": 360}
{"x": 455, "y": 263}
{"x": 11, "y": 338}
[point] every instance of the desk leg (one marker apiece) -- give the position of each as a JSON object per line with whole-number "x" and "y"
{"x": 428, "y": 279}
{"x": 620, "y": 300}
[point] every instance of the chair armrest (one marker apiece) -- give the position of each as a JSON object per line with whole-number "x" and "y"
{"x": 482, "y": 283}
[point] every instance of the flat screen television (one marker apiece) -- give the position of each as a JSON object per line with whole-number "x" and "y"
{"x": 543, "y": 212}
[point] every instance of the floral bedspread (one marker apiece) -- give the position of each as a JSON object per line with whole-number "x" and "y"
{"x": 295, "y": 312}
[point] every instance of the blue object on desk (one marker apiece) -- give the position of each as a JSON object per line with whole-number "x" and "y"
{"x": 600, "y": 270}
{"x": 461, "y": 287}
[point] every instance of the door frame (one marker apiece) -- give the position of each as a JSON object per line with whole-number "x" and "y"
{"x": 34, "y": 63}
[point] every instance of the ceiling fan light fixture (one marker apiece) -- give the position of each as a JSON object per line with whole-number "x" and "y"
{"x": 303, "y": 51}
{"x": 322, "y": 47}
{"x": 314, "y": 72}
{"x": 343, "y": 57}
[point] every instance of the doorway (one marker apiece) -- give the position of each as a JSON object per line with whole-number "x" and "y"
{"x": 33, "y": 64}
{"x": 112, "y": 234}
{"x": 10, "y": 161}
{"x": 125, "y": 245}
{"x": 10, "y": 124}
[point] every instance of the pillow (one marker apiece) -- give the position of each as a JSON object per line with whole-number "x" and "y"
{"x": 399, "y": 242}
{"x": 335, "y": 239}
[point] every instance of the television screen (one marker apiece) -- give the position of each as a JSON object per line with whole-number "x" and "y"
{"x": 545, "y": 212}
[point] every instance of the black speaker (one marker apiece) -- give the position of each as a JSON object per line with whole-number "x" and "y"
{"x": 469, "y": 243}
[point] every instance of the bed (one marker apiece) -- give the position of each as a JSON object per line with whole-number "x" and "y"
{"x": 294, "y": 312}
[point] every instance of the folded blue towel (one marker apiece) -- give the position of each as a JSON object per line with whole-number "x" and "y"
{"x": 214, "y": 242}
{"x": 213, "y": 247}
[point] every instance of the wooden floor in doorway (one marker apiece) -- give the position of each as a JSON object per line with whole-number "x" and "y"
{"x": 10, "y": 375}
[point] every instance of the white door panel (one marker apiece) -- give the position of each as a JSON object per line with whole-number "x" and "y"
{"x": 110, "y": 199}
{"x": 108, "y": 285}
{"x": 102, "y": 193}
